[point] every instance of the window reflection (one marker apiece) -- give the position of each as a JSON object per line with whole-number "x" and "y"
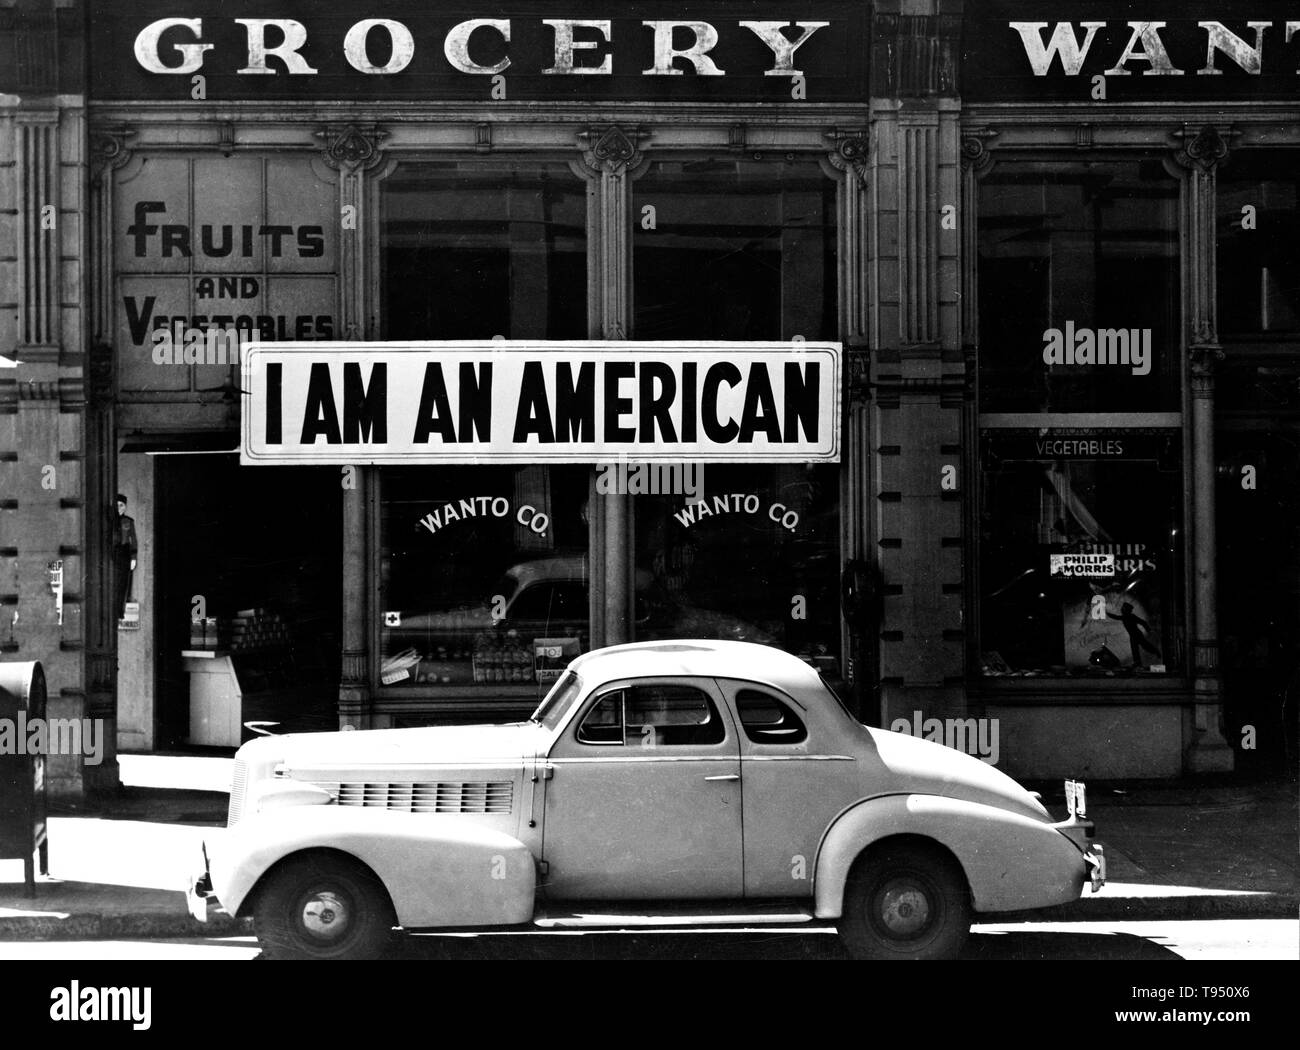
{"x": 470, "y": 582}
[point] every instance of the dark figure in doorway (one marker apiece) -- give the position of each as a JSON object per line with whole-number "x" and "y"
{"x": 125, "y": 548}
{"x": 1135, "y": 626}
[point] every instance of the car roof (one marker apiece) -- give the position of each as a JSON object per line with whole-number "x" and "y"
{"x": 689, "y": 657}
{"x": 564, "y": 569}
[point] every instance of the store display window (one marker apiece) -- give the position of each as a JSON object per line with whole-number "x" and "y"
{"x": 483, "y": 574}
{"x": 751, "y": 556}
{"x": 1081, "y": 552}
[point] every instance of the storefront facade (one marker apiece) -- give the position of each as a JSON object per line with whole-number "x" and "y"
{"x": 1027, "y": 232}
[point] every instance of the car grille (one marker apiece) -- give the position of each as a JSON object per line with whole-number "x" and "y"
{"x": 493, "y": 796}
{"x": 238, "y": 783}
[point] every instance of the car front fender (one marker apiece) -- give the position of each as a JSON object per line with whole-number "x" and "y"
{"x": 1010, "y": 860}
{"x": 439, "y": 869}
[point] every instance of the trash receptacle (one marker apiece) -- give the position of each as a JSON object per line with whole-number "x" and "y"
{"x": 22, "y": 775}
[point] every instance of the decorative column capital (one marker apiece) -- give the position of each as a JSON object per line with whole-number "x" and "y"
{"x": 975, "y": 154}
{"x": 109, "y": 150}
{"x": 1204, "y": 361}
{"x": 1203, "y": 150}
{"x": 610, "y": 150}
{"x": 352, "y": 148}
{"x": 850, "y": 151}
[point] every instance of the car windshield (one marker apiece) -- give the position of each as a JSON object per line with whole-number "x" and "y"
{"x": 506, "y": 587}
{"x": 557, "y": 701}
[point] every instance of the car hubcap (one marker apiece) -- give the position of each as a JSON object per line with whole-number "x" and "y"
{"x": 903, "y": 908}
{"x": 325, "y": 915}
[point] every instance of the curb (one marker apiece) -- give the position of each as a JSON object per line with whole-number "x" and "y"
{"x": 98, "y": 927}
{"x": 1136, "y": 909}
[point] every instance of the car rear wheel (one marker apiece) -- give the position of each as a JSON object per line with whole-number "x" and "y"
{"x": 905, "y": 901}
{"x": 324, "y": 907}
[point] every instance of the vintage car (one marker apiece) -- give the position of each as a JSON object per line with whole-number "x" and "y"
{"x": 671, "y": 783}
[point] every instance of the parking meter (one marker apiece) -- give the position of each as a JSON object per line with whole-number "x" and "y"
{"x": 22, "y": 775}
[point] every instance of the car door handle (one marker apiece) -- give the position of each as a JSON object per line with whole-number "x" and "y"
{"x": 725, "y": 776}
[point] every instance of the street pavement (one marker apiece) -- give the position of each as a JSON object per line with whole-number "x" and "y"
{"x": 1204, "y": 869}
{"x": 1200, "y": 939}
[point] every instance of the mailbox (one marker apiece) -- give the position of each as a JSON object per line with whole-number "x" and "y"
{"x": 22, "y": 775}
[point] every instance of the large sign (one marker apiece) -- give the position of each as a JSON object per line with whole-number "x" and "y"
{"x": 759, "y": 50}
{"x": 1129, "y": 50}
{"x": 528, "y": 402}
{"x": 212, "y": 251}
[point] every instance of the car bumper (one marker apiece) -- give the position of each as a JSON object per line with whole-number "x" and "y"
{"x": 1080, "y": 832}
{"x": 1094, "y": 858}
{"x": 200, "y": 898}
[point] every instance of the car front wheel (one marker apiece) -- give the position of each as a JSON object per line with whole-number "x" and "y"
{"x": 905, "y": 901}
{"x": 324, "y": 907}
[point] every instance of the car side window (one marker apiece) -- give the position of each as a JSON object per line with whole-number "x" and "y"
{"x": 766, "y": 720}
{"x": 604, "y": 722}
{"x": 653, "y": 716}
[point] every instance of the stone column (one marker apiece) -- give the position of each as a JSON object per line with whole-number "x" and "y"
{"x": 611, "y": 159}
{"x": 108, "y": 153}
{"x": 1199, "y": 155}
{"x": 42, "y": 399}
{"x": 353, "y": 152}
{"x": 918, "y": 368}
{"x": 848, "y": 162}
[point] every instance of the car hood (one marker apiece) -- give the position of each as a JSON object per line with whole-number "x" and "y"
{"x": 922, "y": 766}
{"x": 458, "y": 746}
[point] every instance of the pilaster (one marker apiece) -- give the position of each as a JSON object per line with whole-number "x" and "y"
{"x": 1199, "y": 154}
{"x": 919, "y": 371}
{"x": 353, "y": 152}
{"x": 42, "y": 411}
{"x": 611, "y": 157}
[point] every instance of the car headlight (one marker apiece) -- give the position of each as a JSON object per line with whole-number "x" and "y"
{"x": 279, "y": 794}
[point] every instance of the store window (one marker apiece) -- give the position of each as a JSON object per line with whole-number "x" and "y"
{"x": 1258, "y": 229}
{"x": 480, "y": 563}
{"x": 1081, "y": 556}
{"x": 734, "y": 249}
{"x": 751, "y": 556}
{"x": 475, "y": 250}
{"x": 1079, "y": 287}
{"x": 477, "y": 565}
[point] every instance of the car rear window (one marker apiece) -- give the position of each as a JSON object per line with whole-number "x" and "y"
{"x": 767, "y": 720}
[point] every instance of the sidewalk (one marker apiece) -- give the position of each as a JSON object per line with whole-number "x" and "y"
{"x": 1187, "y": 850}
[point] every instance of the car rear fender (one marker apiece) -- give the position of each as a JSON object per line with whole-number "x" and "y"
{"x": 439, "y": 869}
{"x": 1010, "y": 860}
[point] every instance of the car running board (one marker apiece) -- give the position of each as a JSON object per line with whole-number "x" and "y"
{"x": 640, "y": 917}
